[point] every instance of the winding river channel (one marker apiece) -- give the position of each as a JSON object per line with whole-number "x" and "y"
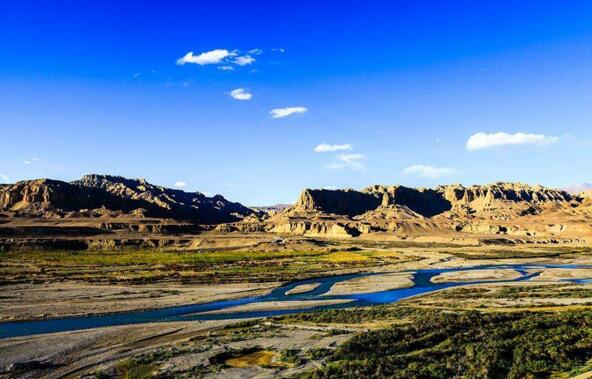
{"x": 422, "y": 284}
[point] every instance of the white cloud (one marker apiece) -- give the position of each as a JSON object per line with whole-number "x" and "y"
{"x": 30, "y": 161}
{"x": 226, "y": 68}
{"x": 244, "y": 60}
{"x": 4, "y": 179}
{"x": 285, "y": 112}
{"x": 279, "y": 50}
{"x": 255, "y": 51}
{"x": 480, "y": 141}
{"x": 180, "y": 184}
{"x": 423, "y": 171}
{"x": 330, "y": 188}
{"x": 208, "y": 57}
{"x": 324, "y": 148}
{"x": 353, "y": 161}
{"x": 241, "y": 94}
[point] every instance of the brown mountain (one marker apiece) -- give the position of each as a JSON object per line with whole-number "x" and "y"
{"x": 509, "y": 209}
{"x": 95, "y": 195}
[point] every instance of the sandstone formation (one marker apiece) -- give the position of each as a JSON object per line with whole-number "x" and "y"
{"x": 111, "y": 211}
{"x": 96, "y": 195}
{"x": 509, "y": 209}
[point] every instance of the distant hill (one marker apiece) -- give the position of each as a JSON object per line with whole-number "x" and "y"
{"x": 506, "y": 209}
{"x": 130, "y": 209}
{"x": 579, "y": 188}
{"x": 95, "y": 195}
{"x": 269, "y": 208}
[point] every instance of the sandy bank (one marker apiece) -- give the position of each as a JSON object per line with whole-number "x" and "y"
{"x": 473, "y": 275}
{"x": 277, "y": 305}
{"x": 50, "y": 300}
{"x": 303, "y": 288}
{"x": 372, "y": 283}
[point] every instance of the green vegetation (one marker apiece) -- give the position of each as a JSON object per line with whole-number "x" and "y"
{"x": 354, "y": 315}
{"x": 132, "y": 369}
{"x": 468, "y": 344}
{"x": 145, "y": 266}
{"x": 514, "y": 253}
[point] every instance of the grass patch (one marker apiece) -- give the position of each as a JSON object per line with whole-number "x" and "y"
{"x": 153, "y": 265}
{"x": 345, "y": 256}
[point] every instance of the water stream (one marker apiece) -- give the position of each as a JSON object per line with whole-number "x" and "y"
{"x": 422, "y": 280}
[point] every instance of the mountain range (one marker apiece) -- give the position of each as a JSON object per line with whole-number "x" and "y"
{"x": 131, "y": 209}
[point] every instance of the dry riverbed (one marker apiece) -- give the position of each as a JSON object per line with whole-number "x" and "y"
{"x": 372, "y": 283}
{"x": 38, "y": 301}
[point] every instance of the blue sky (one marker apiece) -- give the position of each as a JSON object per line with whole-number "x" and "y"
{"x": 399, "y": 92}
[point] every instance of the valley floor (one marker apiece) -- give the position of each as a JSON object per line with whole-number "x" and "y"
{"x": 540, "y": 327}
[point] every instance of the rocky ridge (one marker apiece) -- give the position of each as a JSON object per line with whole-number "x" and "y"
{"x": 96, "y": 195}
{"x": 510, "y": 209}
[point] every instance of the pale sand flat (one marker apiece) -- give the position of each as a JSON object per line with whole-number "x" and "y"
{"x": 474, "y": 275}
{"x": 372, "y": 283}
{"x": 276, "y": 305}
{"x": 303, "y": 288}
{"x": 556, "y": 274}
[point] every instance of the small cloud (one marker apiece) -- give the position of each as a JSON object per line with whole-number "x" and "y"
{"x": 285, "y": 112}
{"x": 481, "y": 141}
{"x": 324, "y": 148}
{"x": 4, "y": 179}
{"x": 136, "y": 75}
{"x": 255, "y": 51}
{"x": 330, "y": 188}
{"x": 240, "y": 94}
{"x": 180, "y": 184}
{"x": 353, "y": 161}
{"x": 279, "y": 50}
{"x": 208, "y": 57}
{"x": 436, "y": 142}
{"x": 226, "y": 68}
{"x": 423, "y": 171}
{"x": 231, "y": 185}
{"x": 244, "y": 60}
{"x": 30, "y": 161}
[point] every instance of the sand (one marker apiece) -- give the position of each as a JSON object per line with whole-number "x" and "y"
{"x": 557, "y": 274}
{"x": 372, "y": 283}
{"x": 473, "y": 275}
{"x": 50, "y": 300}
{"x": 303, "y": 288}
{"x": 276, "y": 306}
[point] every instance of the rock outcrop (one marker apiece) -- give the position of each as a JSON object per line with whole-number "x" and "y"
{"x": 500, "y": 208}
{"x": 97, "y": 194}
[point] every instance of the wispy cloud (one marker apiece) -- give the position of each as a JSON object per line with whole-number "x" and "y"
{"x": 330, "y": 188}
{"x": 325, "y": 148}
{"x": 4, "y": 179}
{"x": 427, "y": 171}
{"x": 226, "y": 68}
{"x": 481, "y": 141}
{"x": 180, "y": 184}
{"x": 241, "y": 94}
{"x": 30, "y": 161}
{"x": 244, "y": 60}
{"x": 255, "y": 51}
{"x": 208, "y": 57}
{"x": 279, "y": 50}
{"x": 353, "y": 161}
{"x": 285, "y": 112}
